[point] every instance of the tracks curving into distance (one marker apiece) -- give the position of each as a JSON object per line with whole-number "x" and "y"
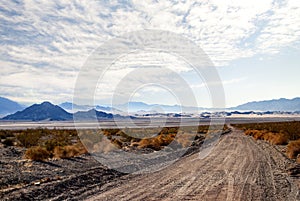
{"x": 238, "y": 168}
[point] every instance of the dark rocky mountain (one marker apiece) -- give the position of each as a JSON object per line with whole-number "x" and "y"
{"x": 40, "y": 112}
{"x": 271, "y": 105}
{"x": 92, "y": 115}
{"x": 46, "y": 111}
{"x": 8, "y": 106}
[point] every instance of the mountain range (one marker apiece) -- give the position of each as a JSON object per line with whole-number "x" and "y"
{"x": 72, "y": 107}
{"x": 40, "y": 112}
{"x": 8, "y": 106}
{"x": 282, "y": 104}
{"x": 48, "y": 111}
{"x": 133, "y": 107}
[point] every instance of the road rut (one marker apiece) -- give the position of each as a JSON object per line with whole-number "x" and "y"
{"x": 238, "y": 168}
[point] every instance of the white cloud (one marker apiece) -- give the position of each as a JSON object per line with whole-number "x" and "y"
{"x": 38, "y": 37}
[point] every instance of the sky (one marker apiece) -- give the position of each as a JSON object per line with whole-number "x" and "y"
{"x": 253, "y": 45}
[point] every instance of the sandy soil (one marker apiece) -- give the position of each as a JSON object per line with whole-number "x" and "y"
{"x": 239, "y": 168}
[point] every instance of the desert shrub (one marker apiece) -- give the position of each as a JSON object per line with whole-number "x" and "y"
{"x": 52, "y": 143}
{"x": 29, "y": 139}
{"x": 81, "y": 148}
{"x": 2, "y": 135}
{"x": 6, "y": 133}
{"x": 156, "y": 142}
{"x": 290, "y": 129}
{"x": 117, "y": 143}
{"x": 184, "y": 140}
{"x": 278, "y": 139}
{"x": 165, "y": 140}
{"x": 152, "y": 143}
{"x": 8, "y": 142}
{"x": 173, "y": 130}
{"x": 258, "y": 135}
{"x": 68, "y": 151}
{"x": 273, "y": 138}
{"x": 249, "y": 132}
{"x": 63, "y": 137}
{"x": 293, "y": 149}
{"x": 37, "y": 154}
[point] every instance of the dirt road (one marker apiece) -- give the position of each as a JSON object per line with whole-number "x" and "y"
{"x": 238, "y": 168}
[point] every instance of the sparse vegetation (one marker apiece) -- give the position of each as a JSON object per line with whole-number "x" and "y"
{"x": 290, "y": 129}
{"x": 279, "y": 133}
{"x": 293, "y": 149}
{"x": 273, "y": 138}
{"x": 42, "y": 144}
{"x": 68, "y": 151}
{"x": 29, "y": 138}
{"x": 8, "y": 142}
{"x": 37, "y": 154}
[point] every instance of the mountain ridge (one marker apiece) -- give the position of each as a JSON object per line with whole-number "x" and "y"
{"x": 282, "y": 104}
{"x": 48, "y": 111}
{"x": 8, "y": 106}
{"x": 40, "y": 112}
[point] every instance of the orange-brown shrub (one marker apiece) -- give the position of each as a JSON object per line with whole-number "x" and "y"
{"x": 293, "y": 149}
{"x": 278, "y": 139}
{"x": 165, "y": 140}
{"x": 117, "y": 143}
{"x": 66, "y": 151}
{"x": 37, "y": 154}
{"x": 291, "y": 129}
{"x": 184, "y": 139}
{"x": 273, "y": 138}
{"x": 81, "y": 148}
{"x": 153, "y": 143}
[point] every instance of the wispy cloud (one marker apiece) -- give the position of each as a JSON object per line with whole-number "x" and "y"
{"x": 45, "y": 43}
{"x": 225, "y": 82}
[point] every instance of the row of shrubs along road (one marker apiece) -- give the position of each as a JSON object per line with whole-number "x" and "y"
{"x": 42, "y": 144}
{"x": 277, "y": 133}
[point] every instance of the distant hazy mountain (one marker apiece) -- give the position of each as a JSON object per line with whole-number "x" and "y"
{"x": 140, "y": 106}
{"x": 40, "y": 112}
{"x": 73, "y": 107}
{"x": 271, "y": 105}
{"x": 8, "y": 106}
{"x": 70, "y": 107}
{"x": 48, "y": 111}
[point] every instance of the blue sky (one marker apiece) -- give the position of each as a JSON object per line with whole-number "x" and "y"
{"x": 254, "y": 45}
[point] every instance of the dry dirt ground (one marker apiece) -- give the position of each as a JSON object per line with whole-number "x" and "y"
{"x": 238, "y": 168}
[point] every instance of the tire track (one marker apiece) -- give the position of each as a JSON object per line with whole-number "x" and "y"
{"x": 238, "y": 168}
